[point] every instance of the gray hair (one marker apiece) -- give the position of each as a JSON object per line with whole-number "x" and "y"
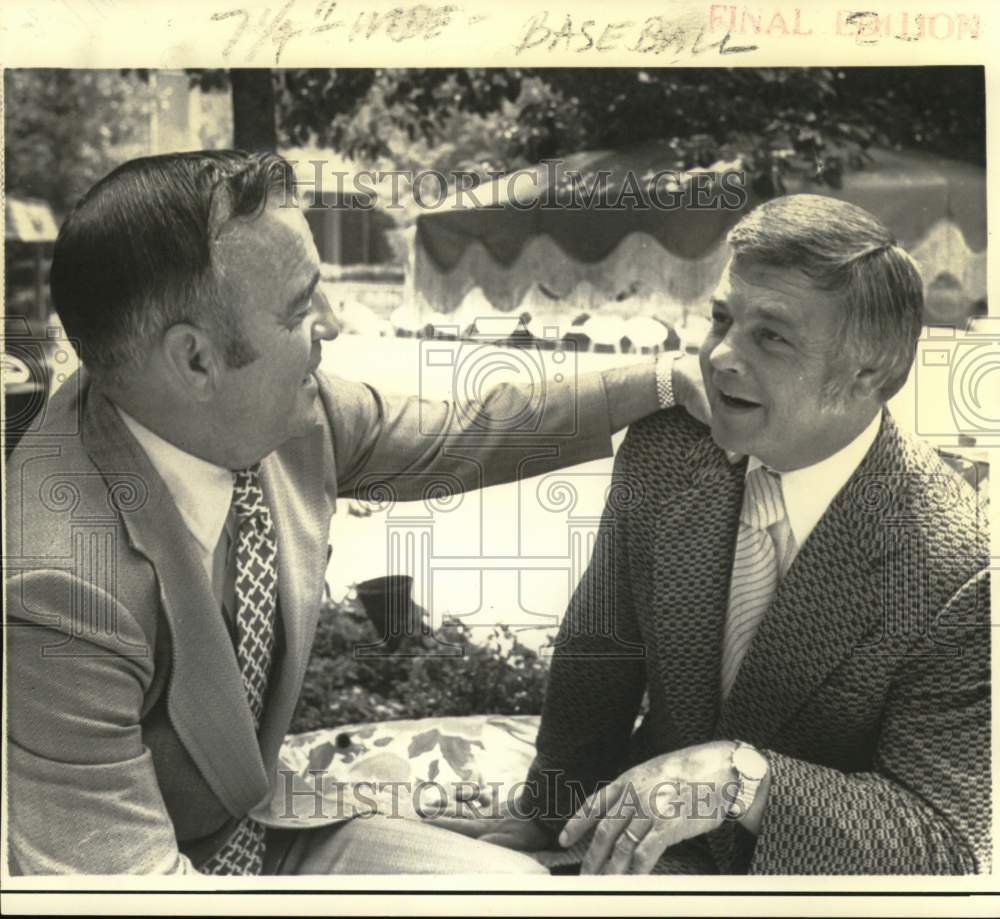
{"x": 845, "y": 250}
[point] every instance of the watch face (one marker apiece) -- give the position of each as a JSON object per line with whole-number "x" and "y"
{"x": 750, "y": 763}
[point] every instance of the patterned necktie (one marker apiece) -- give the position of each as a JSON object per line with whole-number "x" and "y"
{"x": 755, "y": 569}
{"x": 256, "y": 599}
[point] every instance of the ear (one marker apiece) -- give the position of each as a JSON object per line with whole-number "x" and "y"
{"x": 866, "y": 384}
{"x": 192, "y": 360}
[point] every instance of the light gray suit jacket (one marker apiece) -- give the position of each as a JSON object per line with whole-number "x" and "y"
{"x": 131, "y": 745}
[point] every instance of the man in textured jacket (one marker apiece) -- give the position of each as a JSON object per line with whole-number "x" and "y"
{"x": 809, "y": 621}
{"x": 167, "y": 529}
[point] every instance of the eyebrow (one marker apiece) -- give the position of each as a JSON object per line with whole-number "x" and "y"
{"x": 763, "y": 312}
{"x": 776, "y": 316}
{"x": 303, "y": 295}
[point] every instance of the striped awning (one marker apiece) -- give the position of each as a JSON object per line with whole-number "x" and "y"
{"x": 651, "y": 262}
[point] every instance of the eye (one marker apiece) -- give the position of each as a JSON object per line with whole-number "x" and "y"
{"x": 770, "y": 335}
{"x": 300, "y": 315}
{"x": 719, "y": 317}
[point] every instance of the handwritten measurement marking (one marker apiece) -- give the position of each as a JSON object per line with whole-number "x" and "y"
{"x": 419, "y": 21}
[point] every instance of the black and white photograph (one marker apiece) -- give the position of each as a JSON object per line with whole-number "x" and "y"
{"x": 429, "y": 477}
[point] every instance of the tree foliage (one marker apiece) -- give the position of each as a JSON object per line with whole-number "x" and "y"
{"x": 813, "y": 120}
{"x": 64, "y": 129}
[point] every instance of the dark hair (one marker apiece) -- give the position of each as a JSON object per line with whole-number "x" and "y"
{"x": 134, "y": 257}
{"x": 843, "y": 249}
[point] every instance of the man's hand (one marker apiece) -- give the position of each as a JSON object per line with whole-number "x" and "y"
{"x": 689, "y": 388}
{"x": 653, "y": 806}
{"x": 633, "y": 391}
{"x": 503, "y": 826}
{"x": 512, "y": 832}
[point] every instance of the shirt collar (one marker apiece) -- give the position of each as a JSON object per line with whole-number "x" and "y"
{"x": 202, "y": 491}
{"x": 809, "y": 491}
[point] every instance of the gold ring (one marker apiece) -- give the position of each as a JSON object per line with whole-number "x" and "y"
{"x": 635, "y": 839}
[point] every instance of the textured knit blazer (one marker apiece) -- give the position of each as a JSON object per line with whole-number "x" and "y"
{"x": 866, "y": 686}
{"x": 131, "y": 743}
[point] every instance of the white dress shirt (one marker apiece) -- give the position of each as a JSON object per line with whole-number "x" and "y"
{"x": 203, "y": 493}
{"x": 808, "y": 492}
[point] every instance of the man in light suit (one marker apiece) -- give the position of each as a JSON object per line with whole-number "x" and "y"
{"x": 808, "y": 621}
{"x": 167, "y": 529}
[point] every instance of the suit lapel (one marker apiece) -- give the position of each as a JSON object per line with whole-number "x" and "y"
{"x": 829, "y": 600}
{"x": 293, "y": 488}
{"x": 206, "y": 701}
{"x": 692, "y": 587}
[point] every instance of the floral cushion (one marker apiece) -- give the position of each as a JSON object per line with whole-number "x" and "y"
{"x": 430, "y": 765}
{"x": 424, "y": 763}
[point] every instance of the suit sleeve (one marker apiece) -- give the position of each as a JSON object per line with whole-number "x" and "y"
{"x": 406, "y": 443}
{"x": 82, "y": 792}
{"x": 597, "y": 676}
{"x": 924, "y": 808}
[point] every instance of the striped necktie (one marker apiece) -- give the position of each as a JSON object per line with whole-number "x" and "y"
{"x": 256, "y": 600}
{"x": 755, "y": 569}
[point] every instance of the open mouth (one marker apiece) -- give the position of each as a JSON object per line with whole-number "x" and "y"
{"x": 736, "y": 403}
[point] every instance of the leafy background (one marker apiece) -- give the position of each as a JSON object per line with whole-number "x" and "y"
{"x": 66, "y": 128}
{"x": 343, "y": 686}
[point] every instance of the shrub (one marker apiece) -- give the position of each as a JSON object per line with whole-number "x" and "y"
{"x": 343, "y": 686}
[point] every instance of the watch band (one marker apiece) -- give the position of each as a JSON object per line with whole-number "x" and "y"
{"x": 751, "y": 766}
{"x": 665, "y": 377}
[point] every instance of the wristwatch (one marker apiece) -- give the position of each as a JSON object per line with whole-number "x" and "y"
{"x": 751, "y": 766}
{"x": 665, "y": 377}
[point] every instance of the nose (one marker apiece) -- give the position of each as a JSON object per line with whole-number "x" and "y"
{"x": 326, "y": 327}
{"x": 724, "y": 357}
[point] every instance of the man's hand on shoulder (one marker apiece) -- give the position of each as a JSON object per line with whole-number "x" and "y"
{"x": 640, "y": 389}
{"x": 687, "y": 384}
